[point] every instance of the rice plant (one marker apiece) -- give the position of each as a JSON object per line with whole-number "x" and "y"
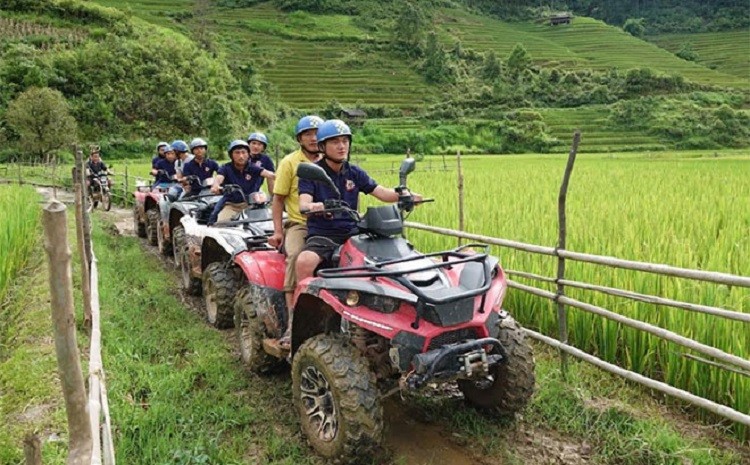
{"x": 19, "y": 224}
{"x": 688, "y": 211}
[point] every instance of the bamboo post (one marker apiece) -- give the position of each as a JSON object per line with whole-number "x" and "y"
{"x": 562, "y": 316}
{"x": 460, "y": 195}
{"x": 20, "y": 178}
{"x": 445, "y": 166}
{"x": 95, "y": 367}
{"x": 83, "y": 251}
{"x": 126, "y": 186}
{"x": 32, "y": 450}
{"x": 63, "y": 322}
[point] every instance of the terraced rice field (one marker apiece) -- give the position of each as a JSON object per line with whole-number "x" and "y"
{"x": 335, "y": 61}
{"x": 727, "y": 52}
{"x": 586, "y": 43}
{"x": 596, "y": 134}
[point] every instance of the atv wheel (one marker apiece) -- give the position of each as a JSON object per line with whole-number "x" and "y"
{"x": 164, "y": 246}
{"x": 251, "y": 330}
{"x": 513, "y": 378}
{"x": 138, "y": 227}
{"x": 191, "y": 285}
{"x": 152, "y": 226}
{"x": 336, "y": 396}
{"x": 219, "y": 287}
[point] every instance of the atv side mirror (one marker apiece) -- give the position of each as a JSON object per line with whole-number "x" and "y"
{"x": 407, "y": 166}
{"x": 315, "y": 173}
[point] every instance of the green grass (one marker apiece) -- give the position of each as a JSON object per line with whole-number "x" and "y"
{"x": 620, "y": 424}
{"x": 585, "y": 44}
{"x": 727, "y": 51}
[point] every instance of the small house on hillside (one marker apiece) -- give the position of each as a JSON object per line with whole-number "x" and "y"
{"x": 560, "y": 18}
{"x": 353, "y": 116}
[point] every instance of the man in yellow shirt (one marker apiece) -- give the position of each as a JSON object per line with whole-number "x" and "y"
{"x": 292, "y": 233}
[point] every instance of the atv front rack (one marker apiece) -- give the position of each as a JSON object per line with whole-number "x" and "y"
{"x": 376, "y": 270}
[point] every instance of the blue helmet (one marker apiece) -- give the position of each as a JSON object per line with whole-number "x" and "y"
{"x": 307, "y": 122}
{"x": 237, "y": 144}
{"x": 180, "y": 146}
{"x": 258, "y": 136}
{"x": 333, "y": 128}
{"x": 168, "y": 148}
{"x": 197, "y": 142}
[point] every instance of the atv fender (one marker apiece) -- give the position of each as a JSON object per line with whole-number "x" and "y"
{"x": 216, "y": 243}
{"x": 312, "y": 316}
{"x": 263, "y": 268}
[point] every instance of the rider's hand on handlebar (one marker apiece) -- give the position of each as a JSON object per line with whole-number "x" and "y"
{"x": 317, "y": 207}
{"x": 215, "y": 189}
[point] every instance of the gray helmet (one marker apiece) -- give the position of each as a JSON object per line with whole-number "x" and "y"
{"x": 197, "y": 142}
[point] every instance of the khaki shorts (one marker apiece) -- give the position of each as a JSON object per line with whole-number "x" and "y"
{"x": 231, "y": 209}
{"x": 294, "y": 242}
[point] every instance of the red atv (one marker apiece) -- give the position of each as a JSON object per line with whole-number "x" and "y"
{"x": 387, "y": 319}
{"x": 146, "y": 210}
{"x": 214, "y": 259}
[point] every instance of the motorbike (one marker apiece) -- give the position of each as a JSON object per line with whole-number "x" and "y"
{"x": 99, "y": 191}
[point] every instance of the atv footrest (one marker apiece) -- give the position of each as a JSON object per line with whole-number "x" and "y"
{"x": 272, "y": 347}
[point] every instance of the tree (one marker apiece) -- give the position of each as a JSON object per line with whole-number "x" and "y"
{"x": 409, "y": 29}
{"x": 519, "y": 60}
{"x": 436, "y": 66}
{"x": 41, "y": 117}
{"x": 492, "y": 67}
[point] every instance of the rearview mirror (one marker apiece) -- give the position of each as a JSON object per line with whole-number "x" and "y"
{"x": 315, "y": 173}
{"x": 407, "y": 166}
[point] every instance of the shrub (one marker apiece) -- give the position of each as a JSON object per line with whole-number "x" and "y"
{"x": 686, "y": 52}
{"x": 634, "y": 27}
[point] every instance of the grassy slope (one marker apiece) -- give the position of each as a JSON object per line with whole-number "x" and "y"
{"x": 727, "y": 52}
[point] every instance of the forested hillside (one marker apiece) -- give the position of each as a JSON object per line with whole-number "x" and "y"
{"x": 433, "y": 76}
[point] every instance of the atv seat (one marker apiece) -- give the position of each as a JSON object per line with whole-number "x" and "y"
{"x": 382, "y": 248}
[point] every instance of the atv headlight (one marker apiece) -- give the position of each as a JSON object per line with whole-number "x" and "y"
{"x": 379, "y": 303}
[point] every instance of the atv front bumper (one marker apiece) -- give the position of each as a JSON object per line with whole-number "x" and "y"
{"x": 463, "y": 360}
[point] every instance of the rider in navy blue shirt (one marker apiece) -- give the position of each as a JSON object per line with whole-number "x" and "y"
{"x": 159, "y": 153}
{"x": 200, "y": 166}
{"x": 350, "y": 181}
{"x": 258, "y": 143}
{"x": 164, "y": 169}
{"x": 242, "y": 173}
{"x": 326, "y": 232}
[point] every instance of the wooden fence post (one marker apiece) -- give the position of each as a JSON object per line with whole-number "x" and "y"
{"x": 63, "y": 322}
{"x": 83, "y": 251}
{"x": 20, "y": 178}
{"x": 32, "y": 449}
{"x": 562, "y": 317}
{"x": 460, "y": 195}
